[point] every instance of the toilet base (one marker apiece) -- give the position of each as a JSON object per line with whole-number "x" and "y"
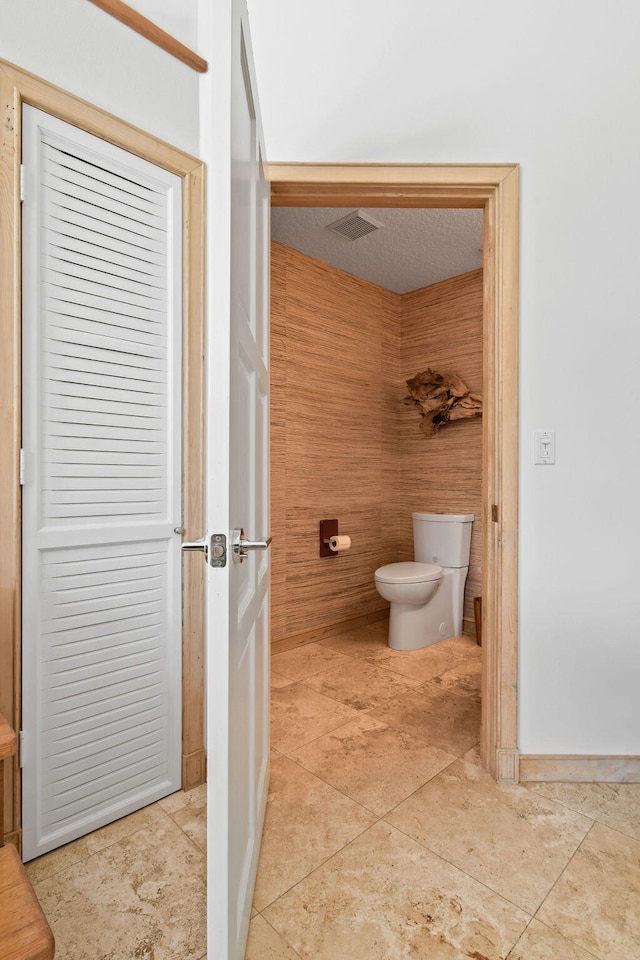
{"x": 414, "y": 626}
{"x": 408, "y": 631}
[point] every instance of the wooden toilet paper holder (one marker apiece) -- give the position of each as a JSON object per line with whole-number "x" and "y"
{"x": 328, "y": 529}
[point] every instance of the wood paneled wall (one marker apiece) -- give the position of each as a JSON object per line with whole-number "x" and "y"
{"x": 331, "y": 390}
{"x": 342, "y": 443}
{"x": 442, "y": 329}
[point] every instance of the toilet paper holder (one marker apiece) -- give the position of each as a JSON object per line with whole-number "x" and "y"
{"x": 328, "y": 530}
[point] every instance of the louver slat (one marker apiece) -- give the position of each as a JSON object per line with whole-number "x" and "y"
{"x": 102, "y": 587}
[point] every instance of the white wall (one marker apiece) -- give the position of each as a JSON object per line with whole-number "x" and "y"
{"x": 79, "y": 47}
{"x": 555, "y": 86}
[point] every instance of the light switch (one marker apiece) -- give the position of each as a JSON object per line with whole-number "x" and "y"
{"x": 545, "y": 446}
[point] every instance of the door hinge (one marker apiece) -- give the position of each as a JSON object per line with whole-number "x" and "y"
{"x": 22, "y": 183}
{"x": 21, "y": 468}
{"x": 21, "y": 748}
{"x": 494, "y": 512}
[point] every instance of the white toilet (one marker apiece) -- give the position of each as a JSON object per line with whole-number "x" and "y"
{"x": 427, "y": 595}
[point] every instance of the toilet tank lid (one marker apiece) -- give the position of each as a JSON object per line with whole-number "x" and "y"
{"x": 444, "y": 517}
{"x": 408, "y": 571}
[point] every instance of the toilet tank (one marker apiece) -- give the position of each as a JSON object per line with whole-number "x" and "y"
{"x": 442, "y": 538}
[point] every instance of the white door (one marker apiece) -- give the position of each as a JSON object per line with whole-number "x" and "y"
{"x": 102, "y": 483}
{"x": 238, "y": 460}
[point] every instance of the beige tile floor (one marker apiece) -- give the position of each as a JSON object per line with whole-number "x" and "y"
{"x": 134, "y": 890}
{"x": 384, "y": 839}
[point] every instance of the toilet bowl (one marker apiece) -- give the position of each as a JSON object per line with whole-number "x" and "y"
{"x": 408, "y": 582}
{"x": 427, "y": 595}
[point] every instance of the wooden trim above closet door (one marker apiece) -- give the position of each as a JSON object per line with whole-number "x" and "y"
{"x": 18, "y": 87}
{"x": 494, "y": 188}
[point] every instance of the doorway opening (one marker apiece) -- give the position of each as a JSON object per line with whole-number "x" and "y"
{"x": 495, "y": 190}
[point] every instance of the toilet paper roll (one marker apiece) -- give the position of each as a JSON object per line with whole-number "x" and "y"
{"x": 339, "y": 543}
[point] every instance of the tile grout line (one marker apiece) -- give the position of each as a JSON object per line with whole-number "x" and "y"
{"x": 281, "y": 935}
{"x": 95, "y": 853}
{"x": 455, "y": 866}
{"x": 560, "y": 876}
{"x": 318, "y": 865}
{"x": 567, "y": 806}
{"x": 359, "y": 802}
{"x": 587, "y": 953}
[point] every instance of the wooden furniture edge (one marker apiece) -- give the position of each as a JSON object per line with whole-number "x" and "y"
{"x": 579, "y": 768}
{"x": 8, "y": 739}
{"x": 24, "y": 930}
{"x": 150, "y": 31}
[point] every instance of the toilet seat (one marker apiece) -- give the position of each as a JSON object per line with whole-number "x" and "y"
{"x": 408, "y": 572}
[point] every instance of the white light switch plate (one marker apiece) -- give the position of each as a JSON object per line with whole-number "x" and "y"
{"x": 545, "y": 446}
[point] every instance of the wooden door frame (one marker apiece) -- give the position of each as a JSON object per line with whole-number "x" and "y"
{"x": 18, "y": 87}
{"x": 495, "y": 189}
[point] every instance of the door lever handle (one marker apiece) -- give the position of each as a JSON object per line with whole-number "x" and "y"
{"x": 240, "y": 545}
{"x": 213, "y": 546}
{"x": 202, "y": 544}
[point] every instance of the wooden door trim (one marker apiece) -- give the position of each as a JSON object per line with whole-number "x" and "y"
{"x": 494, "y": 188}
{"x": 18, "y": 87}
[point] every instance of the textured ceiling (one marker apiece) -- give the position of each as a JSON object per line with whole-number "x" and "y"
{"x": 413, "y": 249}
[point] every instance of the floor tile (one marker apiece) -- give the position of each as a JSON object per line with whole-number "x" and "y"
{"x": 192, "y": 818}
{"x": 265, "y": 944}
{"x": 142, "y": 897}
{"x": 540, "y": 943}
{"x": 306, "y": 661}
{"x": 183, "y": 798}
{"x": 439, "y": 717}
{"x": 617, "y": 805}
{"x": 596, "y": 902}
{"x": 429, "y": 662}
{"x": 359, "y": 685}
{"x": 464, "y": 679}
{"x": 299, "y": 715}
{"x": 384, "y": 897}
{"x": 473, "y": 756}
{"x": 278, "y": 680}
{"x": 306, "y": 822}
{"x": 372, "y": 763}
{"x": 494, "y": 832}
{"x": 362, "y": 643}
{"x": 64, "y": 857}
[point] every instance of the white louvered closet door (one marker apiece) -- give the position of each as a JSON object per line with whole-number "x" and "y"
{"x": 102, "y": 483}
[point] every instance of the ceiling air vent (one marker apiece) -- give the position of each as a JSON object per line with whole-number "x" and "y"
{"x": 355, "y": 225}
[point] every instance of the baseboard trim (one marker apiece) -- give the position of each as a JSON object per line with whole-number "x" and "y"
{"x": 469, "y": 628}
{"x": 329, "y": 630}
{"x": 194, "y": 769}
{"x": 507, "y": 766}
{"x": 579, "y": 768}
{"x": 15, "y": 837}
